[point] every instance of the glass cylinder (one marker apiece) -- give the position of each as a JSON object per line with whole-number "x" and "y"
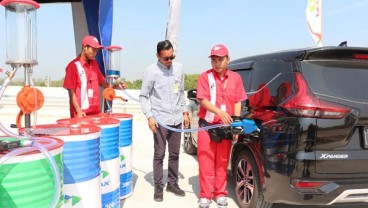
{"x": 21, "y": 31}
{"x": 114, "y": 54}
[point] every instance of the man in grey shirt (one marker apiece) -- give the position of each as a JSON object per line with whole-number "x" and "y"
{"x": 162, "y": 98}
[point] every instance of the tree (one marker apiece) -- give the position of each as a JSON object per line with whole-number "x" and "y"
{"x": 190, "y": 81}
{"x": 57, "y": 83}
{"x": 136, "y": 84}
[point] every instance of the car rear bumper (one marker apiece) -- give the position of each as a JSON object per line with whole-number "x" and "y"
{"x": 352, "y": 196}
{"x": 280, "y": 189}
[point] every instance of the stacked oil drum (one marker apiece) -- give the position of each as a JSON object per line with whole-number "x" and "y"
{"x": 115, "y": 156}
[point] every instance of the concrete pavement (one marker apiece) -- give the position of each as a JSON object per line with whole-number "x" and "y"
{"x": 142, "y": 174}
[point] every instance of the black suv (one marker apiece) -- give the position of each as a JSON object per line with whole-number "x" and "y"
{"x": 312, "y": 148}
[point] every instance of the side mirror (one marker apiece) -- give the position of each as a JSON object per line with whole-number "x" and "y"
{"x": 192, "y": 95}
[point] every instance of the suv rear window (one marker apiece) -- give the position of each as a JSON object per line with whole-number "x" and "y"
{"x": 267, "y": 71}
{"x": 338, "y": 79}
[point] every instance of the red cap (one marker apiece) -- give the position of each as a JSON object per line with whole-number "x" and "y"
{"x": 33, "y": 3}
{"x": 91, "y": 41}
{"x": 219, "y": 50}
{"x": 114, "y": 48}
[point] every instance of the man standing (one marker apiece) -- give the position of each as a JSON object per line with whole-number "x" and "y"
{"x": 82, "y": 80}
{"x": 162, "y": 98}
{"x": 220, "y": 92}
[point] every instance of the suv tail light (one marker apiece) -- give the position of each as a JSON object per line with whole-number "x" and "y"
{"x": 313, "y": 187}
{"x": 309, "y": 184}
{"x": 304, "y": 103}
{"x": 360, "y": 56}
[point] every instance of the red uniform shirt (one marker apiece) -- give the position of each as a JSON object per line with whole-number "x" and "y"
{"x": 229, "y": 90}
{"x": 84, "y": 84}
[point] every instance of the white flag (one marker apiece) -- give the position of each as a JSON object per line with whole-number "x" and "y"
{"x": 314, "y": 20}
{"x": 172, "y": 30}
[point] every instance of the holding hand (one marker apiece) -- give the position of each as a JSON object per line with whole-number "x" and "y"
{"x": 225, "y": 117}
{"x": 152, "y": 124}
{"x": 186, "y": 121}
{"x": 81, "y": 114}
{"x": 122, "y": 84}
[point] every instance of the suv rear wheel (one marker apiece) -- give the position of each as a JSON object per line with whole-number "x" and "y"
{"x": 189, "y": 147}
{"x": 248, "y": 189}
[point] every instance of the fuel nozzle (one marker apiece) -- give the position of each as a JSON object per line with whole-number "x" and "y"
{"x": 11, "y": 143}
{"x": 236, "y": 127}
{"x": 245, "y": 126}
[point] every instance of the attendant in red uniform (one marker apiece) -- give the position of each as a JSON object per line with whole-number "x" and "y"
{"x": 220, "y": 92}
{"x": 82, "y": 80}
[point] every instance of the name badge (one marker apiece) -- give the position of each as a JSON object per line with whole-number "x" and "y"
{"x": 90, "y": 93}
{"x": 176, "y": 88}
{"x": 223, "y": 107}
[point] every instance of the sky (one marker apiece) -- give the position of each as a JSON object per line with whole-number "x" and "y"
{"x": 246, "y": 27}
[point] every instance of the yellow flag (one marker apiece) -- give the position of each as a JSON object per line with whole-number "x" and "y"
{"x": 314, "y": 20}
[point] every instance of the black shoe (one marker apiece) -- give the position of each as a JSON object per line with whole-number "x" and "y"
{"x": 174, "y": 188}
{"x": 159, "y": 193}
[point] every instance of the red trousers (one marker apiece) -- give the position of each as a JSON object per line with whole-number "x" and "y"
{"x": 213, "y": 160}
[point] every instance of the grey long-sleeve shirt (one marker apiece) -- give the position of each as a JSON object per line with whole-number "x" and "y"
{"x": 162, "y": 93}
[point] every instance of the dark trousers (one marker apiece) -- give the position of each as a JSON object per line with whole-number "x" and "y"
{"x": 172, "y": 138}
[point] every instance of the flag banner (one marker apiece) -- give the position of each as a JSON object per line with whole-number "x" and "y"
{"x": 314, "y": 20}
{"x": 99, "y": 15}
{"x": 172, "y": 30}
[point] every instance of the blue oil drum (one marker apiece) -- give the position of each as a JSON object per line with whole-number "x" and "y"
{"x": 109, "y": 154}
{"x": 81, "y": 162}
{"x": 125, "y": 149}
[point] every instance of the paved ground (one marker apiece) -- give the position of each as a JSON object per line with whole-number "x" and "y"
{"x": 142, "y": 173}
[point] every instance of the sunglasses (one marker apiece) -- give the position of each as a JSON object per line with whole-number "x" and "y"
{"x": 168, "y": 58}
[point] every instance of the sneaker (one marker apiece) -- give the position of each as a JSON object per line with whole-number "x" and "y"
{"x": 221, "y": 202}
{"x": 174, "y": 188}
{"x": 204, "y": 203}
{"x": 159, "y": 193}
